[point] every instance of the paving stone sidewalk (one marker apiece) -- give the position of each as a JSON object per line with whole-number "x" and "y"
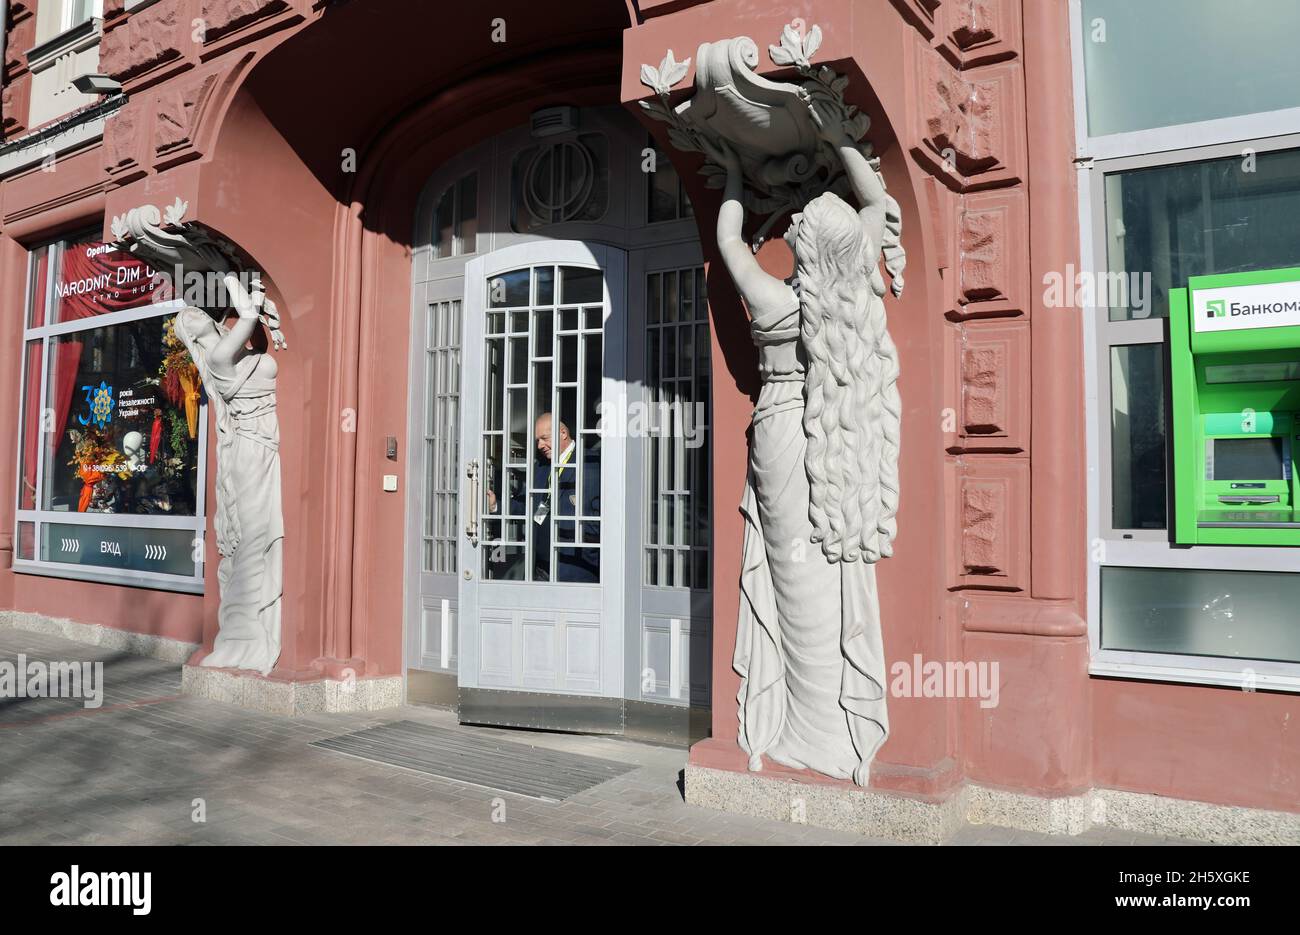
{"x": 131, "y": 772}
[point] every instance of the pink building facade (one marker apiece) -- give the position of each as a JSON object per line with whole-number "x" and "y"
{"x": 372, "y": 158}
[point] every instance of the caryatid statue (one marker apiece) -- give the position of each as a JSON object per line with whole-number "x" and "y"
{"x": 240, "y": 380}
{"x": 822, "y": 488}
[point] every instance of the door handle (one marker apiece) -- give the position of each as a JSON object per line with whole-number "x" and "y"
{"x": 472, "y": 514}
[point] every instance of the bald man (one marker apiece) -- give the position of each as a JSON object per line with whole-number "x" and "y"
{"x": 558, "y": 460}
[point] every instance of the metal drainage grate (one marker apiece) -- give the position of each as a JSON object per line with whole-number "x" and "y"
{"x": 478, "y": 759}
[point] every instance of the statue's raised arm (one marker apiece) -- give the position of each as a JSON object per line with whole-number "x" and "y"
{"x": 880, "y": 214}
{"x": 757, "y": 287}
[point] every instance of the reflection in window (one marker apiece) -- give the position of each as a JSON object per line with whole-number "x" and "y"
{"x": 1193, "y": 219}
{"x": 543, "y": 372}
{"x": 1158, "y": 63}
{"x": 1137, "y": 438}
{"x": 124, "y": 401}
{"x": 665, "y": 195}
{"x": 455, "y": 219}
{"x": 441, "y": 436}
{"x": 678, "y": 377}
{"x": 555, "y": 182}
{"x": 1201, "y": 612}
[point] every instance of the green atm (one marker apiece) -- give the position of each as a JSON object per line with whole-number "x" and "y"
{"x": 1235, "y": 372}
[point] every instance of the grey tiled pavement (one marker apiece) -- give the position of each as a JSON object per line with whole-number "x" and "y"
{"x": 130, "y": 771}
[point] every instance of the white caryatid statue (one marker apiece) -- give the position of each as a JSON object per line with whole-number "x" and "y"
{"x": 249, "y": 522}
{"x": 239, "y": 377}
{"x": 822, "y": 488}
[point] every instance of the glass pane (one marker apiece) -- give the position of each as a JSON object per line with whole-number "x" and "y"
{"x": 444, "y": 223}
{"x": 26, "y": 549}
{"x": 1163, "y": 62}
{"x": 31, "y": 426}
{"x": 542, "y": 334}
{"x": 545, "y": 285}
{"x": 94, "y": 279}
{"x": 1166, "y": 224}
{"x": 508, "y": 289}
{"x": 591, "y": 382}
{"x": 653, "y": 298}
{"x": 1237, "y": 614}
{"x": 663, "y": 189}
{"x": 503, "y": 562}
{"x": 37, "y": 286}
{"x": 467, "y": 203}
{"x": 494, "y": 389}
{"x": 1137, "y": 436}
{"x": 579, "y": 285}
{"x": 124, "y": 402}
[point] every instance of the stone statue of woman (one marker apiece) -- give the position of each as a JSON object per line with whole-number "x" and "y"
{"x": 822, "y": 489}
{"x": 249, "y": 525}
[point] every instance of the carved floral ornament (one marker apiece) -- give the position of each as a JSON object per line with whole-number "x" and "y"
{"x": 176, "y": 247}
{"x": 786, "y": 163}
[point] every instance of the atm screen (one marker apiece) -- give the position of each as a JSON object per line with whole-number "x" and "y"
{"x": 1248, "y": 458}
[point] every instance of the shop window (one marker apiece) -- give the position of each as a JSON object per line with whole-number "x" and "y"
{"x": 1189, "y": 166}
{"x": 562, "y": 181}
{"x": 1160, "y": 63}
{"x": 456, "y": 219}
{"x": 678, "y": 478}
{"x": 112, "y": 457}
{"x": 1192, "y": 219}
{"x": 666, "y": 198}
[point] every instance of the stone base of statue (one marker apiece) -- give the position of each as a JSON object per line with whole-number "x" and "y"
{"x": 717, "y": 778}
{"x": 291, "y": 697}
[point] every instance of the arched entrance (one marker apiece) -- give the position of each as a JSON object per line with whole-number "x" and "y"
{"x": 558, "y": 527}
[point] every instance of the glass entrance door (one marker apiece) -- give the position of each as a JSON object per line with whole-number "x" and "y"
{"x": 542, "y": 548}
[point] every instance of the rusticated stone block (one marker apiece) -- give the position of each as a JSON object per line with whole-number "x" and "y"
{"x": 979, "y": 32}
{"x": 221, "y": 17}
{"x": 983, "y": 392}
{"x": 178, "y": 113}
{"x": 983, "y": 538}
{"x": 988, "y": 501}
{"x": 22, "y": 36}
{"x": 993, "y": 269}
{"x": 124, "y": 143}
{"x": 15, "y": 104}
{"x": 148, "y": 39}
{"x": 968, "y": 133}
{"x": 991, "y": 382}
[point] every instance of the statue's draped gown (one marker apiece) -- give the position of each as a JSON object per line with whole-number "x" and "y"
{"x": 809, "y": 646}
{"x": 249, "y": 524}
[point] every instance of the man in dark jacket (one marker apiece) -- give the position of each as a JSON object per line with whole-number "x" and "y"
{"x": 556, "y": 472}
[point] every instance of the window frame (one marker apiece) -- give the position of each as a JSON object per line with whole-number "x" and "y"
{"x": 46, "y": 334}
{"x": 1096, "y": 157}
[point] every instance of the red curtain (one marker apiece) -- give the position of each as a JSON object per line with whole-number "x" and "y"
{"x": 94, "y": 281}
{"x": 31, "y": 426}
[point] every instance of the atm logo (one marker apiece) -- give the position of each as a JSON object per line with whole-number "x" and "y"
{"x": 1216, "y": 308}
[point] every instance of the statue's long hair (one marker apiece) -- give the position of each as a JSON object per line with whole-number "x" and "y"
{"x": 852, "y": 411}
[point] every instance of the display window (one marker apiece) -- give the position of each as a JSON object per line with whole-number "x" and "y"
{"x": 113, "y": 444}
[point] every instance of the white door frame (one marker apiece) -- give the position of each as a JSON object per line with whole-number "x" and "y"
{"x": 513, "y": 600}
